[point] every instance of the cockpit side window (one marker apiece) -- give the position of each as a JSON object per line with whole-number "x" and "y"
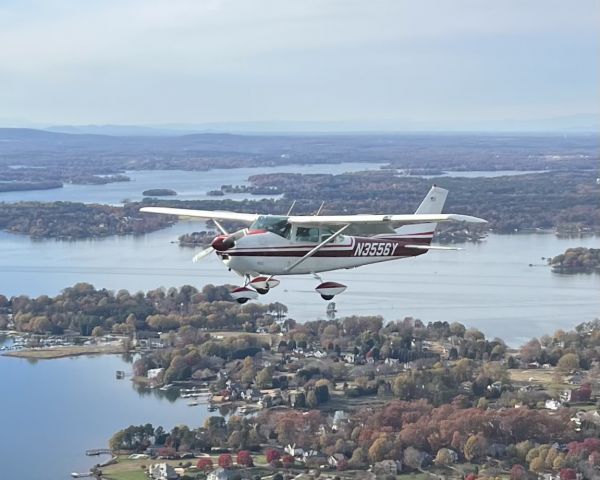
{"x": 274, "y": 224}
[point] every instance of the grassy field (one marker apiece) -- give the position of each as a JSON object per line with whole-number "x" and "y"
{"x": 546, "y": 377}
{"x": 60, "y": 352}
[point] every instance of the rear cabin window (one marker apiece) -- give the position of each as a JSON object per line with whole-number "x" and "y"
{"x": 315, "y": 234}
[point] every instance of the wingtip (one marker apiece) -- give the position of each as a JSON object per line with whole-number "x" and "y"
{"x": 467, "y": 218}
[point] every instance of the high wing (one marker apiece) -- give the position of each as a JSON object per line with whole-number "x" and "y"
{"x": 247, "y": 218}
{"x": 393, "y": 221}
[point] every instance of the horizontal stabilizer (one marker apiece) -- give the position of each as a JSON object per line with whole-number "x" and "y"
{"x": 431, "y": 247}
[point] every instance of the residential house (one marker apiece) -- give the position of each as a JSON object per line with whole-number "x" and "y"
{"x": 336, "y": 458}
{"x": 339, "y": 418}
{"x": 251, "y": 395}
{"x": 553, "y": 404}
{"x": 387, "y": 467}
{"x": 154, "y": 372}
{"x": 219, "y": 474}
{"x": 293, "y": 451}
{"x": 349, "y": 358}
{"x": 162, "y": 471}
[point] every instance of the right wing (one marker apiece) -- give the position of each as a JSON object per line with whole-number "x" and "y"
{"x": 247, "y": 218}
{"x": 392, "y": 220}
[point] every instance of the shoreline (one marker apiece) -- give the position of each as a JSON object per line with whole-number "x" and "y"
{"x": 63, "y": 352}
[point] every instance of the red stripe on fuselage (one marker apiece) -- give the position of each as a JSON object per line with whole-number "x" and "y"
{"x": 366, "y": 247}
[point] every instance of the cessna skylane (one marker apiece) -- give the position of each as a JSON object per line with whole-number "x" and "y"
{"x": 281, "y": 245}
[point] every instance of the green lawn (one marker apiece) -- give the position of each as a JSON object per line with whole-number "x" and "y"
{"x": 128, "y": 475}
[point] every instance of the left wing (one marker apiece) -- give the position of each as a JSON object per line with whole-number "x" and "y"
{"x": 391, "y": 220}
{"x": 247, "y": 218}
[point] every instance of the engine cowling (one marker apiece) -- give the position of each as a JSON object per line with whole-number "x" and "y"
{"x": 223, "y": 243}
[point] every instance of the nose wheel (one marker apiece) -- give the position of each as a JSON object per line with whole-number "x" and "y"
{"x": 263, "y": 284}
{"x": 253, "y": 287}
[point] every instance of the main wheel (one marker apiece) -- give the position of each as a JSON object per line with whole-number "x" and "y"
{"x": 327, "y": 297}
{"x": 241, "y": 300}
{"x": 262, "y": 291}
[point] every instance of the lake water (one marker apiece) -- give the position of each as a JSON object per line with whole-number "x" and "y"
{"x": 51, "y": 411}
{"x": 189, "y": 185}
{"x": 488, "y": 285}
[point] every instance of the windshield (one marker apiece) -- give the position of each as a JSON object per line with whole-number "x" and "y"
{"x": 272, "y": 223}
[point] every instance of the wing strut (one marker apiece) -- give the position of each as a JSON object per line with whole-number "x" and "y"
{"x": 320, "y": 208}
{"x": 291, "y": 208}
{"x": 317, "y": 248}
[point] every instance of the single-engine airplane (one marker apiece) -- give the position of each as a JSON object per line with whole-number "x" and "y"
{"x": 273, "y": 245}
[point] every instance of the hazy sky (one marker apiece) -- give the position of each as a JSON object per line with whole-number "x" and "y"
{"x": 192, "y": 61}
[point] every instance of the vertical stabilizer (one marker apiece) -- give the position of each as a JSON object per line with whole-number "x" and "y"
{"x": 432, "y": 203}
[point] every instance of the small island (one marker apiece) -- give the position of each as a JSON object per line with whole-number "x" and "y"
{"x": 577, "y": 260}
{"x": 159, "y": 192}
{"x": 197, "y": 239}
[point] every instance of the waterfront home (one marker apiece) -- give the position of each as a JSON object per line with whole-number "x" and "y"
{"x": 154, "y": 372}
{"x": 162, "y": 471}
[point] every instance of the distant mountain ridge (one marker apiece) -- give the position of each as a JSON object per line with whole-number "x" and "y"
{"x": 571, "y": 123}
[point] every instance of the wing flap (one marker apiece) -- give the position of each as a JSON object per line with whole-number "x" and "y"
{"x": 247, "y": 218}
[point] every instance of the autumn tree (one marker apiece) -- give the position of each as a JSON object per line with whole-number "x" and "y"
{"x": 359, "y": 458}
{"x": 272, "y": 455}
{"x": 97, "y": 331}
{"x": 379, "y": 449}
{"x": 205, "y": 464}
{"x": 413, "y": 458}
{"x": 264, "y": 378}
{"x": 225, "y": 460}
{"x": 536, "y": 464}
{"x": 444, "y": 457}
{"x": 568, "y": 362}
{"x": 567, "y": 474}
{"x": 244, "y": 458}
{"x": 518, "y": 472}
{"x": 475, "y": 447}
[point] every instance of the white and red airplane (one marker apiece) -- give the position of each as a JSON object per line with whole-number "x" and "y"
{"x": 273, "y": 245}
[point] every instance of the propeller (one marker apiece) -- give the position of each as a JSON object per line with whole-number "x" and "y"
{"x": 204, "y": 253}
{"x": 220, "y": 243}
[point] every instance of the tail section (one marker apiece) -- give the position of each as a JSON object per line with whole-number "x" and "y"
{"x": 433, "y": 203}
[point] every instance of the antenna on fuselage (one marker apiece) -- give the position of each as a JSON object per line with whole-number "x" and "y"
{"x": 320, "y": 208}
{"x": 291, "y": 208}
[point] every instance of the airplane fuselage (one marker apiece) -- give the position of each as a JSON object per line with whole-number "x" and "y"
{"x": 269, "y": 254}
